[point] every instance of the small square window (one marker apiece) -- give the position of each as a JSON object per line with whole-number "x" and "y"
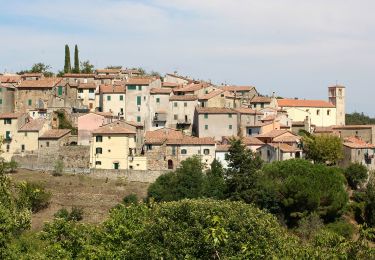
{"x": 175, "y": 117}
{"x": 121, "y": 97}
{"x": 230, "y": 115}
{"x": 175, "y": 104}
{"x": 230, "y": 127}
{"x": 108, "y": 98}
{"x": 206, "y": 127}
{"x": 206, "y": 151}
{"x": 138, "y": 119}
{"x": 157, "y": 100}
{"x": 206, "y": 116}
{"x": 98, "y": 163}
{"x": 185, "y": 104}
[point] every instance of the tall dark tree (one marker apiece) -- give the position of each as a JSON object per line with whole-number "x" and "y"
{"x": 76, "y": 60}
{"x": 67, "y": 66}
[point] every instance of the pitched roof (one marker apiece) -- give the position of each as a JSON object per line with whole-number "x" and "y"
{"x": 170, "y": 85}
{"x": 356, "y": 143}
{"x": 113, "y": 71}
{"x": 259, "y": 99}
{"x": 303, "y": 103}
{"x": 212, "y": 94}
{"x": 105, "y": 114}
{"x": 248, "y": 140}
{"x": 54, "y": 133}
{"x": 222, "y": 147}
{"x": 41, "y": 83}
{"x": 191, "y": 87}
{"x": 32, "y": 75}
{"x": 323, "y": 129}
{"x": 215, "y": 110}
{"x": 11, "y": 115}
{"x": 87, "y": 85}
{"x": 237, "y": 88}
{"x": 105, "y": 76}
{"x": 33, "y": 125}
{"x": 139, "y": 81}
{"x": 246, "y": 110}
{"x": 10, "y": 79}
{"x": 160, "y": 91}
{"x": 286, "y": 139}
{"x": 284, "y": 147}
{"x": 108, "y": 89}
{"x": 273, "y": 134}
{"x": 183, "y": 98}
{"x": 172, "y": 136}
{"x": 79, "y": 75}
{"x": 113, "y": 129}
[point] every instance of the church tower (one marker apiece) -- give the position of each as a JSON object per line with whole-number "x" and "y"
{"x": 336, "y": 95}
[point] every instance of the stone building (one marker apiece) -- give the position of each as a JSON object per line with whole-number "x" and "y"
{"x": 89, "y": 122}
{"x": 112, "y": 100}
{"x": 215, "y": 122}
{"x": 159, "y": 107}
{"x": 166, "y": 148}
{"x": 86, "y": 94}
{"x": 8, "y": 84}
{"x": 358, "y": 151}
{"x": 218, "y": 98}
{"x": 181, "y": 112}
{"x": 244, "y": 93}
{"x": 336, "y": 96}
{"x": 51, "y": 140}
{"x": 77, "y": 78}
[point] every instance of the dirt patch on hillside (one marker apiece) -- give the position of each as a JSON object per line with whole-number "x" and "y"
{"x": 96, "y": 196}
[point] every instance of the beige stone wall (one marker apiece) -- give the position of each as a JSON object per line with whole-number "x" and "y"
{"x": 35, "y": 94}
{"x": 218, "y": 125}
{"x": 7, "y": 100}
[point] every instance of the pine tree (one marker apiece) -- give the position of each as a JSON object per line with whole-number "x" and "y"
{"x": 67, "y": 66}
{"x": 76, "y": 60}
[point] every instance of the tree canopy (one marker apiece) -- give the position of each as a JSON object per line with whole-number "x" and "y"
{"x": 323, "y": 148}
{"x": 358, "y": 119}
{"x": 87, "y": 67}
{"x": 39, "y": 68}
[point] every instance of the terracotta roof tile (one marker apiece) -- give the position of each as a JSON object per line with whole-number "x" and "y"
{"x": 79, "y": 75}
{"x": 191, "y": 87}
{"x": 222, "y": 147}
{"x": 160, "y": 91}
{"x": 111, "y": 71}
{"x": 87, "y": 85}
{"x": 170, "y": 85}
{"x": 10, "y": 79}
{"x": 248, "y": 140}
{"x": 237, "y": 88}
{"x": 246, "y": 110}
{"x": 139, "y": 81}
{"x": 286, "y": 139}
{"x": 273, "y": 134}
{"x": 191, "y": 140}
{"x": 33, "y": 125}
{"x": 113, "y": 129}
{"x": 32, "y": 75}
{"x": 105, "y": 76}
{"x": 284, "y": 147}
{"x": 356, "y": 143}
{"x": 107, "y": 89}
{"x": 183, "y": 98}
{"x": 11, "y": 115}
{"x": 42, "y": 83}
{"x": 259, "y": 99}
{"x": 172, "y": 136}
{"x": 212, "y": 94}
{"x": 303, "y": 103}
{"x": 54, "y": 133}
{"x": 215, "y": 110}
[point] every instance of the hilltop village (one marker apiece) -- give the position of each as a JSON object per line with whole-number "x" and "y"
{"x": 122, "y": 119}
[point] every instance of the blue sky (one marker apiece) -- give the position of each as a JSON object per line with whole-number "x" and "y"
{"x": 296, "y": 48}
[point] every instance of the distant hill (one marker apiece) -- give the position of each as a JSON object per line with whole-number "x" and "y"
{"x": 359, "y": 119}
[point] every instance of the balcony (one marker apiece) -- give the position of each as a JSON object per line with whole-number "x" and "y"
{"x": 185, "y": 121}
{"x": 160, "y": 117}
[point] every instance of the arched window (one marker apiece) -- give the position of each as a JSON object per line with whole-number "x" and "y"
{"x": 183, "y": 151}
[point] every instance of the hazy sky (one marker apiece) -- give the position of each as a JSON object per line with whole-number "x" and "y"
{"x": 296, "y": 48}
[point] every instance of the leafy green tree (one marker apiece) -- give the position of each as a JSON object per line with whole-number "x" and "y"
{"x": 356, "y": 175}
{"x": 369, "y": 207}
{"x": 39, "y": 68}
{"x": 58, "y": 168}
{"x": 214, "y": 183}
{"x": 358, "y": 119}
{"x": 33, "y": 195}
{"x": 163, "y": 188}
{"x": 241, "y": 174}
{"x": 87, "y": 67}
{"x": 323, "y": 148}
{"x": 302, "y": 188}
{"x": 114, "y": 67}
{"x": 130, "y": 199}
{"x": 11, "y": 166}
{"x": 67, "y": 66}
{"x": 76, "y": 60}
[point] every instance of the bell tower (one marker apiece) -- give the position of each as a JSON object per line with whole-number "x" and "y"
{"x": 336, "y": 96}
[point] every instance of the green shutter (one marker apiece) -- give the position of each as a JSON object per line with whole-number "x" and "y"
{"x": 1, "y": 101}
{"x": 138, "y": 119}
{"x": 139, "y": 87}
{"x": 108, "y": 98}
{"x": 121, "y": 97}
{"x": 206, "y": 116}
{"x": 30, "y": 102}
{"x": 132, "y": 87}
{"x": 7, "y": 135}
{"x": 139, "y": 100}
{"x": 157, "y": 100}
{"x": 60, "y": 90}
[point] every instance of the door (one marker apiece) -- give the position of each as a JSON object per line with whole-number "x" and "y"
{"x": 170, "y": 164}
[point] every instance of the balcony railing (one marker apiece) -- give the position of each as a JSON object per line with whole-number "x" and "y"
{"x": 160, "y": 118}
{"x": 185, "y": 121}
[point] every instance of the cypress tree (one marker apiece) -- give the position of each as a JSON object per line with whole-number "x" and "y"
{"x": 76, "y": 60}
{"x": 67, "y": 67}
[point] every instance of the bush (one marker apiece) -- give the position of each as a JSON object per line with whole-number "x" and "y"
{"x": 356, "y": 175}
{"x": 58, "y": 168}
{"x": 34, "y": 196}
{"x": 76, "y": 214}
{"x": 130, "y": 199}
{"x": 309, "y": 226}
{"x": 11, "y": 166}
{"x": 342, "y": 228}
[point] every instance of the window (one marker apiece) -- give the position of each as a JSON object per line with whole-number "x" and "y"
{"x": 108, "y": 98}
{"x": 98, "y": 150}
{"x": 206, "y": 127}
{"x": 7, "y": 121}
{"x": 230, "y": 127}
{"x": 121, "y": 97}
{"x": 175, "y": 104}
{"x": 47, "y": 144}
{"x": 7, "y": 135}
{"x": 173, "y": 150}
{"x": 91, "y": 90}
{"x": 206, "y": 151}
{"x": 80, "y": 90}
{"x": 139, "y": 87}
{"x": 25, "y": 133}
{"x": 183, "y": 151}
{"x": 230, "y": 115}
{"x": 1, "y": 100}
{"x": 206, "y": 115}
{"x": 250, "y": 131}
{"x": 328, "y": 112}
{"x": 98, "y": 163}
{"x": 139, "y": 100}
{"x": 132, "y": 87}
{"x": 175, "y": 117}
{"x": 138, "y": 119}
{"x": 185, "y": 104}
{"x": 29, "y": 102}
{"x": 8, "y": 148}
{"x": 109, "y": 150}
{"x": 22, "y": 148}
{"x": 99, "y": 138}
{"x": 307, "y": 110}
{"x": 262, "y": 105}
{"x": 149, "y": 147}
{"x": 157, "y": 100}
{"x": 317, "y": 112}
{"x": 60, "y": 90}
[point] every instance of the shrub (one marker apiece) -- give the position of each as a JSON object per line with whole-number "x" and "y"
{"x": 58, "y": 168}
{"x": 62, "y": 213}
{"x": 76, "y": 214}
{"x": 356, "y": 175}
{"x": 34, "y": 196}
{"x": 130, "y": 199}
{"x": 342, "y": 228}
